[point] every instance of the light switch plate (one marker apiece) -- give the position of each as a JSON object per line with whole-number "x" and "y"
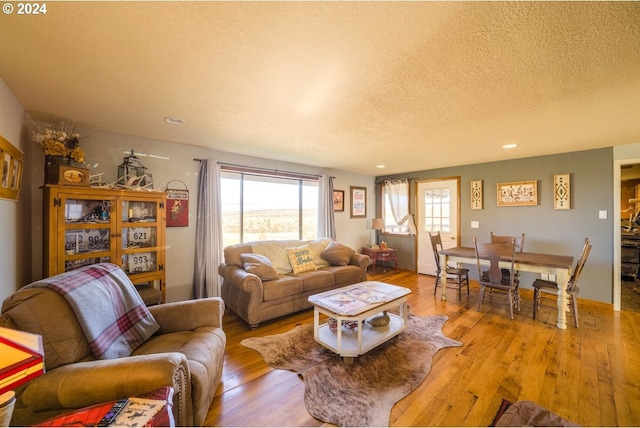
{"x": 475, "y": 225}
{"x": 602, "y": 214}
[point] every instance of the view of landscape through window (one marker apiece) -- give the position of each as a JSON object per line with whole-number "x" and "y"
{"x": 258, "y": 208}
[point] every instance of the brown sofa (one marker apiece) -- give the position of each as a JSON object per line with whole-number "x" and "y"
{"x": 260, "y": 283}
{"x": 186, "y": 352}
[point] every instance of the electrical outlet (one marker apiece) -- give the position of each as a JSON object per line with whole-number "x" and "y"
{"x": 475, "y": 225}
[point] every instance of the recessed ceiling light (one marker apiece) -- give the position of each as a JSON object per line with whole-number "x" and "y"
{"x": 173, "y": 120}
{"x": 379, "y": 166}
{"x": 509, "y": 146}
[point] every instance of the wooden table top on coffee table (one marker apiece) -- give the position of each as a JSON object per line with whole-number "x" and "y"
{"x": 351, "y": 307}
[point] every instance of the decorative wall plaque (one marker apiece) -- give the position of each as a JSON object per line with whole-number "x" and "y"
{"x": 562, "y": 191}
{"x": 476, "y": 195}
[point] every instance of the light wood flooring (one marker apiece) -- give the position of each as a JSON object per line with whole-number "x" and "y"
{"x": 589, "y": 375}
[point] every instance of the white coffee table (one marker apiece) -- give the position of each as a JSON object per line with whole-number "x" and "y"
{"x": 355, "y": 304}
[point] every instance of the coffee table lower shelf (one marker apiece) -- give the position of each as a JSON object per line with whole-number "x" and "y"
{"x": 371, "y": 337}
{"x": 350, "y": 343}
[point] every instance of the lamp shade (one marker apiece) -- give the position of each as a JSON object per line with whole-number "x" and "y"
{"x": 21, "y": 358}
{"x": 377, "y": 224}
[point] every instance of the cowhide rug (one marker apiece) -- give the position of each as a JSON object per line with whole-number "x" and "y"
{"x": 364, "y": 392}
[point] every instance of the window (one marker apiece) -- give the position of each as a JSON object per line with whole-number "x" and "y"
{"x": 437, "y": 210}
{"x": 259, "y": 206}
{"x": 397, "y": 220}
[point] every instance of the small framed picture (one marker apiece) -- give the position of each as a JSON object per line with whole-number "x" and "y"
{"x": 358, "y": 202}
{"x": 11, "y": 165}
{"x": 338, "y": 200}
{"x": 517, "y": 194}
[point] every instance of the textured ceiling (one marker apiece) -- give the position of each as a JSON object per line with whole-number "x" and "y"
{"x": 345, "y": 85}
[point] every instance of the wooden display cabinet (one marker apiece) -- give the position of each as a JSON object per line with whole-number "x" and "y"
{"x": 84, "y": 226}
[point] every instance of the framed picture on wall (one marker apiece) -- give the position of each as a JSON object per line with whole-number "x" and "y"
{"x": 11, "y": 165}
{"x": 358, "y": 202}
{"x": 516, "y": 194}
{"x": 338, "y": 200}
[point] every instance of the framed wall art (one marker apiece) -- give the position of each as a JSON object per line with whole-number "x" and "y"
{"x": 338, "y": 200}
{"x": 476, "y": 195}
{"x": 518, "y": 194}
{"x": 562, "y": 192}
{"x": 11, "y": 166}
{"x": 358, "y": 202}
{"x": 177, "y": 205}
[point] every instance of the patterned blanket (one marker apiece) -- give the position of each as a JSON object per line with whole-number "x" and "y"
{"x": 112, "y": 314}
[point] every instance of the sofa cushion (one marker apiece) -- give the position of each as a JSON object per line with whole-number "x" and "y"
{"x": 258, "y": 265}
{"x": 300, "y": 259}
{"x": 345, "y": 275}
{"x": 276, "y": 253}
{"x": 317, "y": 280}
{"x": 284, "y": 286}
{"x": 112, "y": 315}
{"x": 204, "y": 348}
{"x": 232, "y": 253}
{"x": 337, "y": 254}
{"x": 45, "y": 312}
{"x": 316, "y": 247}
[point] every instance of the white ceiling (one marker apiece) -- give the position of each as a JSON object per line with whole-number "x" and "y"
{"x": 344, "y": 85}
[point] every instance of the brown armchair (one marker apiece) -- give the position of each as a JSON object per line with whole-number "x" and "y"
{"x": 186, "y": 352}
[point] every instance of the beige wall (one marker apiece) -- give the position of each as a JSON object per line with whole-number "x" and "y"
{"x": 105, "y": 151}
{"x": 11, "y": 245}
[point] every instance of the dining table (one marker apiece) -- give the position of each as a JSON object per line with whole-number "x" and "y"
{"x": 550, "y": 264}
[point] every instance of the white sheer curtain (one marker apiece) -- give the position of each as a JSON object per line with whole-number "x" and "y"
{"x": 398, "y": 197}
{"x": 206, "y": 281}
{"x": 326, "y": 216}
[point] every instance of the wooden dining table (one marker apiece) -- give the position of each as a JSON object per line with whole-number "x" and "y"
{"x": 550, "y": 264}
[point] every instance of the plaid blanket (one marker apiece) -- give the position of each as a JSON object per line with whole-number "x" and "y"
{"x": 112, "y": 314}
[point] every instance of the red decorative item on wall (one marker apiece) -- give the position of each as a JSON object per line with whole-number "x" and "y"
{"x": 177, "y": 206}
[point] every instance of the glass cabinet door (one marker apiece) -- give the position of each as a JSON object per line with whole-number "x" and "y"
{"x": 140, "y": 262}
{"x": 87, "y": 232}
{"x": 140, "y": 236}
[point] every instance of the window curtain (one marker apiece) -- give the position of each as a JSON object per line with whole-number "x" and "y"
{"x": 398, "y": 197}
{"x": 326, "y": 216}
{"x": 206, "y": 281}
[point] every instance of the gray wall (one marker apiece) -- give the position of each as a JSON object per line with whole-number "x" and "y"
{"x": 547, "y": 230}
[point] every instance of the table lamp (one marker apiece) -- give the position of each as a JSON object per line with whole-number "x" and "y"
{"x": 21, "y": 359}
{"x": 377, "y": 224}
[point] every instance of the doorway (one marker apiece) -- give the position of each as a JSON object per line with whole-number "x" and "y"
{"x": 437, "y": 210}
{"x": 629, "y": 231}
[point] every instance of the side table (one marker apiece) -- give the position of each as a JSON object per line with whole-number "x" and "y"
{"x": 388, "y": 254}
{"x": 91, "y": 415}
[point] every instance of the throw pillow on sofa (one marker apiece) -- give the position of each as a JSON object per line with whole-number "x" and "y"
{"x": 258, "y": 265}
{"x": 337, "y": 254}
{"x": 300, "y": 259}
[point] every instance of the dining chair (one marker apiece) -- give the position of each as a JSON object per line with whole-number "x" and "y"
{"x": 541, "y": 286}
{"x": 494, "y": 278}
{"x": 504, "y": 239}
{"x": 459, "y": 275}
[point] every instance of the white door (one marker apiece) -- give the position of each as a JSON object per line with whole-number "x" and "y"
{"x": 437, "y": 210}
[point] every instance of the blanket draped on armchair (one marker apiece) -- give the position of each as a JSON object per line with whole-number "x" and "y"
{"x": 112, "y": 314}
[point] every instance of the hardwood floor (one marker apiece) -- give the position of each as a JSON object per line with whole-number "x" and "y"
{"x": 589, "y": 375}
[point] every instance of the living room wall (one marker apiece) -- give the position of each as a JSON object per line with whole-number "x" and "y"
{"x": 172, "y": 161}
{"x": 11, "y": 212}
{"x": 547, "y": 230}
